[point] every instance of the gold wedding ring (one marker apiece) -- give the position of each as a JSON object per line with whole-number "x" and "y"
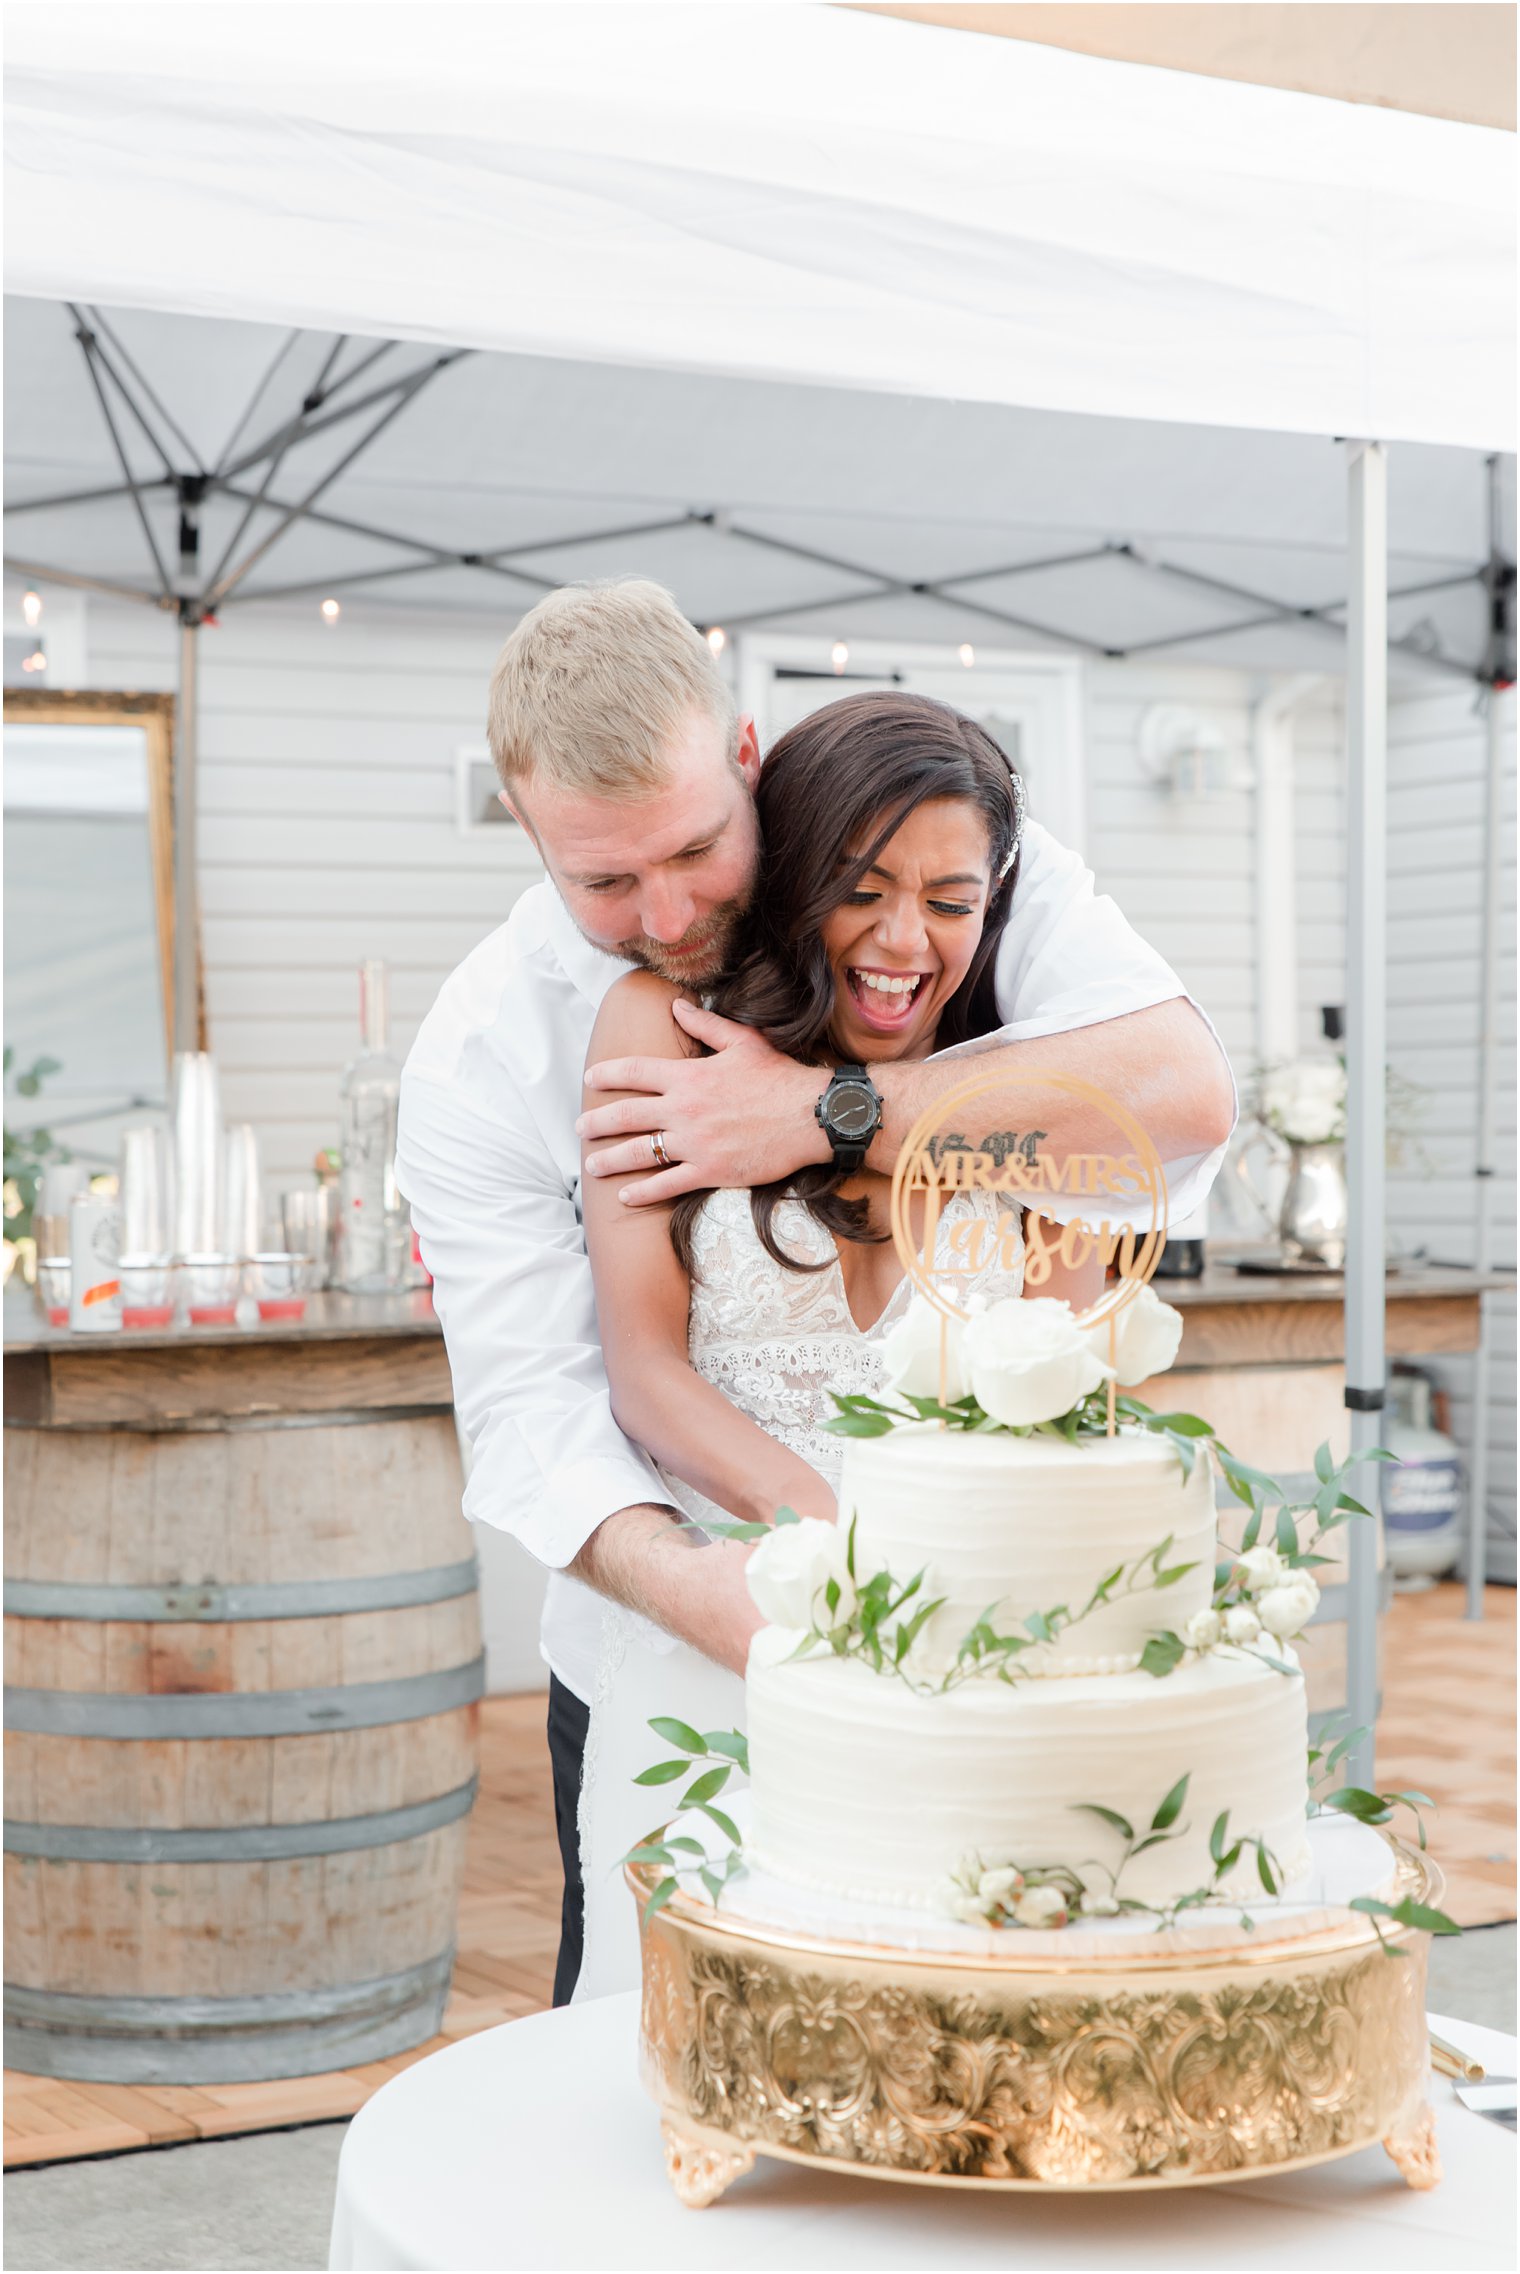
{"x": 662, "y": 1158}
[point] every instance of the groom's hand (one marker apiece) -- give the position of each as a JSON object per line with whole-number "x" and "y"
{"x": 743, "y": 1116}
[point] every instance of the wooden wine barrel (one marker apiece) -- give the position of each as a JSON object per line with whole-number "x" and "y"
{"x": 242, "y": 1669}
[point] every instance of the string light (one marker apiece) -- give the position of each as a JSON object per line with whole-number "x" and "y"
{"x": 839, "y": 656}
{"x": 31, "y": 609}
{"x": 967, "y": 653}
{"x": 717, "y": 639}
{"x": 331, "y": 611}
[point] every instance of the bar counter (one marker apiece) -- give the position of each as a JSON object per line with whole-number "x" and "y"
{"x": 355, "y": 1351}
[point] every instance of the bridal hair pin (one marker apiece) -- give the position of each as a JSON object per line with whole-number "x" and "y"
{"x": 1018, "y": 822}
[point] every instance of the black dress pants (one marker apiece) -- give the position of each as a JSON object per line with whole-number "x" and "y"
{"x": 568, "y": 1720}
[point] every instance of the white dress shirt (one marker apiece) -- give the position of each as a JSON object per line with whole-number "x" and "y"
{"x": 489, "y": 1160}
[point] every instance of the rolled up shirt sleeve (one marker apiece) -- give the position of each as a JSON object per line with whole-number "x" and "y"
{"x": 512, "y": 1286}
{"x": 1070, "y": 958}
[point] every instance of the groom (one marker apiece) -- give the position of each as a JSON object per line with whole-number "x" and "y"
{"x": 620, "y": 754}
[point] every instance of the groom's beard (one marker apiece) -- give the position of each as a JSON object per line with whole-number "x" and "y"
{"x": 700, "y": 955}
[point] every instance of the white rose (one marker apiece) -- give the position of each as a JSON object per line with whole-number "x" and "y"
{"x": 994, "y": 1885}
{"x": 1241, "y": 1624}
{"x": 969, "y": 1909}
{"x": 1285, "y": 1611}
{"x": 1099, "y": 1906}
{"x": 910, "y": 1354}
{"x": 1029, "y": 1361}
{"x": 1041, "y": 1907}
{"x": 1203, "y": 1630}
{"x": 1263, "y": 1567}
{"x": 790, "y": 1571}
{"x": 1147, "y": 1334}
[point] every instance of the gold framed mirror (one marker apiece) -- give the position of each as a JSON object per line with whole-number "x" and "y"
{"x": 89, "y": 891}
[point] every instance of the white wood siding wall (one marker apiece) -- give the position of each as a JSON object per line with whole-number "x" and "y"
{"x": 328, "y": 834}
{"x": 1437, "y": 763}
{"x": 1185, "y": 872}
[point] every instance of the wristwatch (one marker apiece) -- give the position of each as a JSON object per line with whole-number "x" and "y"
{"x": 849, "y": 1113}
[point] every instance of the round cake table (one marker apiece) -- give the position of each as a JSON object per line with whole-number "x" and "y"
{"x": 533, "y": 2145}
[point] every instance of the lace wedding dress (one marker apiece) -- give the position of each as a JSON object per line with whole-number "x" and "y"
{"x": 775, "y": 1342}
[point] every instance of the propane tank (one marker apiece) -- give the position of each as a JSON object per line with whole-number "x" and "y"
{"x": 1421, "y": 1498}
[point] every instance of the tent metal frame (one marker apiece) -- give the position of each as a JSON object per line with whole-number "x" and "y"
{"x": 195, "y": 597}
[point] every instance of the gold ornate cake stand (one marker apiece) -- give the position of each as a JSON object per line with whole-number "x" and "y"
{"x": 1179, "y": 2064}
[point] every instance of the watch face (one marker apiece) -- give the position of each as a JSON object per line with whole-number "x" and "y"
{"x": 852, "y": 1111}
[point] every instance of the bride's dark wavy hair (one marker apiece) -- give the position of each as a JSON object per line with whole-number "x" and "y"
{"x": 848, "y": 778}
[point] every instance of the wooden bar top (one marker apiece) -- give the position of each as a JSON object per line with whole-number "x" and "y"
{"x": 330, "y": 1317}
{"x": 367, "y": 1350}
{"x": 1263, "y": 1318}
{"x": 1225, "y": 1281}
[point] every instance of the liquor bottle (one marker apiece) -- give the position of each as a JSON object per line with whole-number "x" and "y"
{"x": 373, "y": 1231}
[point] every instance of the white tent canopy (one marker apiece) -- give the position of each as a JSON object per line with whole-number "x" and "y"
{"x": 1171, "y": 294}
{"x": 788, "y": 192}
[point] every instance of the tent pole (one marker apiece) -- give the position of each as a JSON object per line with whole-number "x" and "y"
{"x": 187, "y": 1006}
{"x": 1493, "y": 843}
{"x": 1366, "y": 1053}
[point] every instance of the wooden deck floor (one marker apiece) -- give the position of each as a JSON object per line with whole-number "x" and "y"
{"x": 1448, "y": 1729}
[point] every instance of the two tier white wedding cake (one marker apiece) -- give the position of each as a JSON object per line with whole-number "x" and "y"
{"x": 1072, "y": 1653}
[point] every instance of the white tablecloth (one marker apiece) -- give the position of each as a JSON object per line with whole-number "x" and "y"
{"x": 534, "y": 2146}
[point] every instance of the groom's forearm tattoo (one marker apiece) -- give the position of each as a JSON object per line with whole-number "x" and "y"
{"x": 998, "y": 1143}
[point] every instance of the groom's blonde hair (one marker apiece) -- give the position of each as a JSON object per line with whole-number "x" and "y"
{"x": 596, "y": 685}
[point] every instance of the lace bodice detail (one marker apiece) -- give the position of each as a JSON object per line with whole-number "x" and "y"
{"x": 777, "y": 1342}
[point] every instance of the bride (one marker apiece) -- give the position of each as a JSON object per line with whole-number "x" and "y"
{"x": 891, "y": 828}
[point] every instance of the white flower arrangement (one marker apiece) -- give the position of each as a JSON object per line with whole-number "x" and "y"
{"x": 1044, "y": 1897}
{"x": 1304, "y": 1102}
{"x": 1265, "y": 1591}
{"x": 803, "y": 1579}
{"x": 1026, "y": 1362}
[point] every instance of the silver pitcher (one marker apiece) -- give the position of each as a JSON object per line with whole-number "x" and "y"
{"x": 1310, "y": 1222}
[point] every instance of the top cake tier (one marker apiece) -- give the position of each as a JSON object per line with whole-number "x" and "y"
{"x": 1029, "y": 1524}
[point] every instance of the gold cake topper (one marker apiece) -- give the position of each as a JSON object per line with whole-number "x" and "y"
{"x": 1125, "y": 1224}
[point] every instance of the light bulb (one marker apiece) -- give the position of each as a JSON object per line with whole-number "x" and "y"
{"x": 36, "y": 661}
{"x": 331, "y": 611}
{"x": 967, "y": 653}
{"x": 31, "y": 609}
{"x": 717, "y": 639}
{"x": 839, "y": 656}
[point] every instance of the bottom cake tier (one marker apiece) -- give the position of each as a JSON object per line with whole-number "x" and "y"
{"x": 866, "y": 1788}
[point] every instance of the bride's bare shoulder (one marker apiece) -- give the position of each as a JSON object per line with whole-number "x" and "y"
{"x": 635, "y": 1017}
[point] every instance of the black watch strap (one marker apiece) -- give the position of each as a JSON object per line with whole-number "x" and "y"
{"x": 849, "y": 1113}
